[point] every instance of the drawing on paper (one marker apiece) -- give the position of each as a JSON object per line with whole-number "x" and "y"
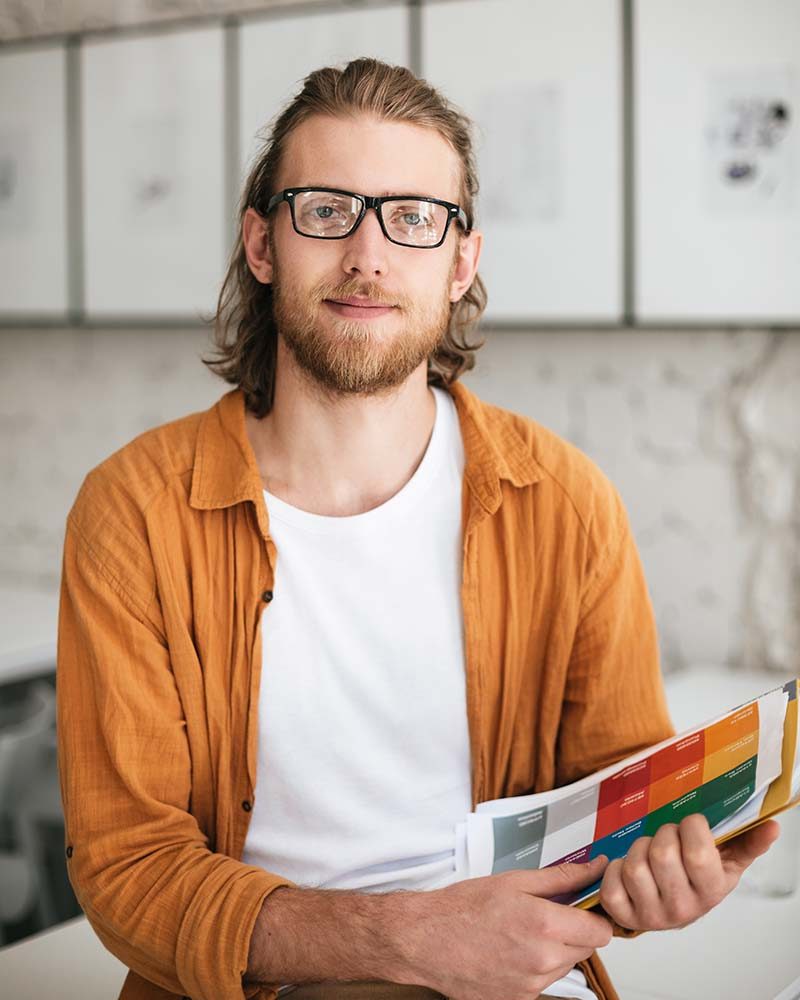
{"x": 751, "y": 142}
{"x": 156, "y": 185}
{"x": 15, "y": 173}
{"x": 520, "y": 155}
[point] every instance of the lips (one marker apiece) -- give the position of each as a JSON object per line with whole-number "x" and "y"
{"x": 352, "y": 307}
{"x": 362, "y": 303}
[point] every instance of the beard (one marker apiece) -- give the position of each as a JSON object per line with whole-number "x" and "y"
{"x": 351, "y": 356}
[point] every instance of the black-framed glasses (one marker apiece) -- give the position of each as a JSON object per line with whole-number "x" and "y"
{"x": 408, "y": 220}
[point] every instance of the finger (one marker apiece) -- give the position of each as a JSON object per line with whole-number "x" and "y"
{"x": 553, "y": 977}
{"x": 566, "y": 957}
{"x": 702, "y": 860}
{"x": 614, "y": 897}
{"x": 741, "y": 851}
{"x": 680, "y": 903}
{"x": 559, "y": 879}
{"x": 575, "y": 928}
{"x": 640, "y": 884}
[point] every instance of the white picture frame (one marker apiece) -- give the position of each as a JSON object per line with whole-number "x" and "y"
{"x": 277, "y": 53}
{"x": 154, "y": 173}
{"x": 33, "y": 184}
{"x": 717, "y": 217}
{"x": 542, "y": 81}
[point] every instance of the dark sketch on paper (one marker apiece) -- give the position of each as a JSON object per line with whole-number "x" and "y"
{"x": 751, "y": 158}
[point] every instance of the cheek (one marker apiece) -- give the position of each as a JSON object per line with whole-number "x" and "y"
{"x": 432, "y": 277}
{"x": 298, "y": 268}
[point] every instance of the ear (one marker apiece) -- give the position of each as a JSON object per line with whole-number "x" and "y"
{"x": 256, "y": 246}
{"x": 466, "y": 265}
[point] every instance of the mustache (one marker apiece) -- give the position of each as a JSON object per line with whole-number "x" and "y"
{"x": 371, "y": 290}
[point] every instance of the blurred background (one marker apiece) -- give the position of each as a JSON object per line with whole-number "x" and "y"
{"x": 640, "y": 199}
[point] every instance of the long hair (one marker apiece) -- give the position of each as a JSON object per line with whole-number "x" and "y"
{"x": 245, "y": 335}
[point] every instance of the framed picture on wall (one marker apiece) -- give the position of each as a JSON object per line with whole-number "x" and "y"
{"x": 278, "y": 52}
{"x": 717, "y": 154}
{"x": 33, "y": 172}
{"x": 153, "y": 161}
{"x": 542, "y": 81}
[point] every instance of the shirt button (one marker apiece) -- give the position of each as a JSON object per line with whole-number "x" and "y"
{"x": 266, "y": 597}
{"x": 69, "y": 851}
{"x": 246, "y": 806}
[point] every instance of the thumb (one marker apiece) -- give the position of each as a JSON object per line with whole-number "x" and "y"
{"x": 740, "y": 852}
{"x": 565, "y": 877}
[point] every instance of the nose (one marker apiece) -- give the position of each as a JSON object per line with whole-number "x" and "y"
{"x": 365, "y": 250}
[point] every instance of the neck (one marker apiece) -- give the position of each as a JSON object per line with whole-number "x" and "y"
{"x": 340, "y": 455}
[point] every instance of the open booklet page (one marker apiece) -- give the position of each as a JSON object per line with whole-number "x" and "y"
{"x": 737, "y": 768}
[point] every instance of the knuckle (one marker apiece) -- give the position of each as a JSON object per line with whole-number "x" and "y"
{"x": 654, "y": 918}
{"x": 712, "y": 895}
{"x": 637, "y": 870}
{"x": 698, "y": 857}
{"x": 565, "y": 871}
{"x": 680, "y": 911}
{"x": 586, "y": 953}
{"x": 662, "y": 854}
{"x": 695, "y": 819}
{"x": 613, "y": 897}
{"x": 550, "y": 958}
{"x": 605, "y": 932}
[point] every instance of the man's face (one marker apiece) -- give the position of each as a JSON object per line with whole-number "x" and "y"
{"x": 357, "y": 350}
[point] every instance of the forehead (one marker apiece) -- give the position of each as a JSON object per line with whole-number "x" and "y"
{"x": 370, "y": 156}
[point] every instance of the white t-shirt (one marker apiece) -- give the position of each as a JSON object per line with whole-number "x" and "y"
{"x": 363, "y": 743}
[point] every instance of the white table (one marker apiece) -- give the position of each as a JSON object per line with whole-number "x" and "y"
{"x": 28, "y": 630}
{"x": 67, "y": 962}
{"x": 748, "y": 948}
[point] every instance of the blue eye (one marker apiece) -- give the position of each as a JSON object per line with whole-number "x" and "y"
{"x": 324, "y": 211}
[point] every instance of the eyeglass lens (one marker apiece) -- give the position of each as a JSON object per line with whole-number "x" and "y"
{"x": 412, "y": 221}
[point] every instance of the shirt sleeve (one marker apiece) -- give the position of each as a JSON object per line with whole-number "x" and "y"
{"x": 169, "y": 907}
{"x": 614, "y": 703}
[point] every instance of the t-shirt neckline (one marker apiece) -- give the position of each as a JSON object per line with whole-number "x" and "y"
{"x": 400, "y": 505}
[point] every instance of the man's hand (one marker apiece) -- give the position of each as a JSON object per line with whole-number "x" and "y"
{"x": 678, "y": 875}
{"x": 490, "y": 938}
{"x": 500, "y": 936}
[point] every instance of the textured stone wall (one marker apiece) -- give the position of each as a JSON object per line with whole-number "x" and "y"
{"x": 700, "y": 431}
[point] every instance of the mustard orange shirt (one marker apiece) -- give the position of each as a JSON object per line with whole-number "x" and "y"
{"x": 168, "y": 565}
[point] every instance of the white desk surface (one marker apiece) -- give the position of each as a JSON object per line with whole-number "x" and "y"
{"x": 28, "y": 630}
{"x": 746, "y": 949}
{"x": 67, "y": 962}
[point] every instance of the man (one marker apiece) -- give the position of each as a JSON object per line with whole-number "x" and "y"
{"x": 453, "y": 610}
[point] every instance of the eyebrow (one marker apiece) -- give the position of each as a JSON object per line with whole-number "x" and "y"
{"x": 383, "y": 194}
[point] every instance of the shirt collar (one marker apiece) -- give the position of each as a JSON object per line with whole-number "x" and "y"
{"x": 225, "y": 468}
{"x": 494, "y": 448}
{"x": 226, "y": 472}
